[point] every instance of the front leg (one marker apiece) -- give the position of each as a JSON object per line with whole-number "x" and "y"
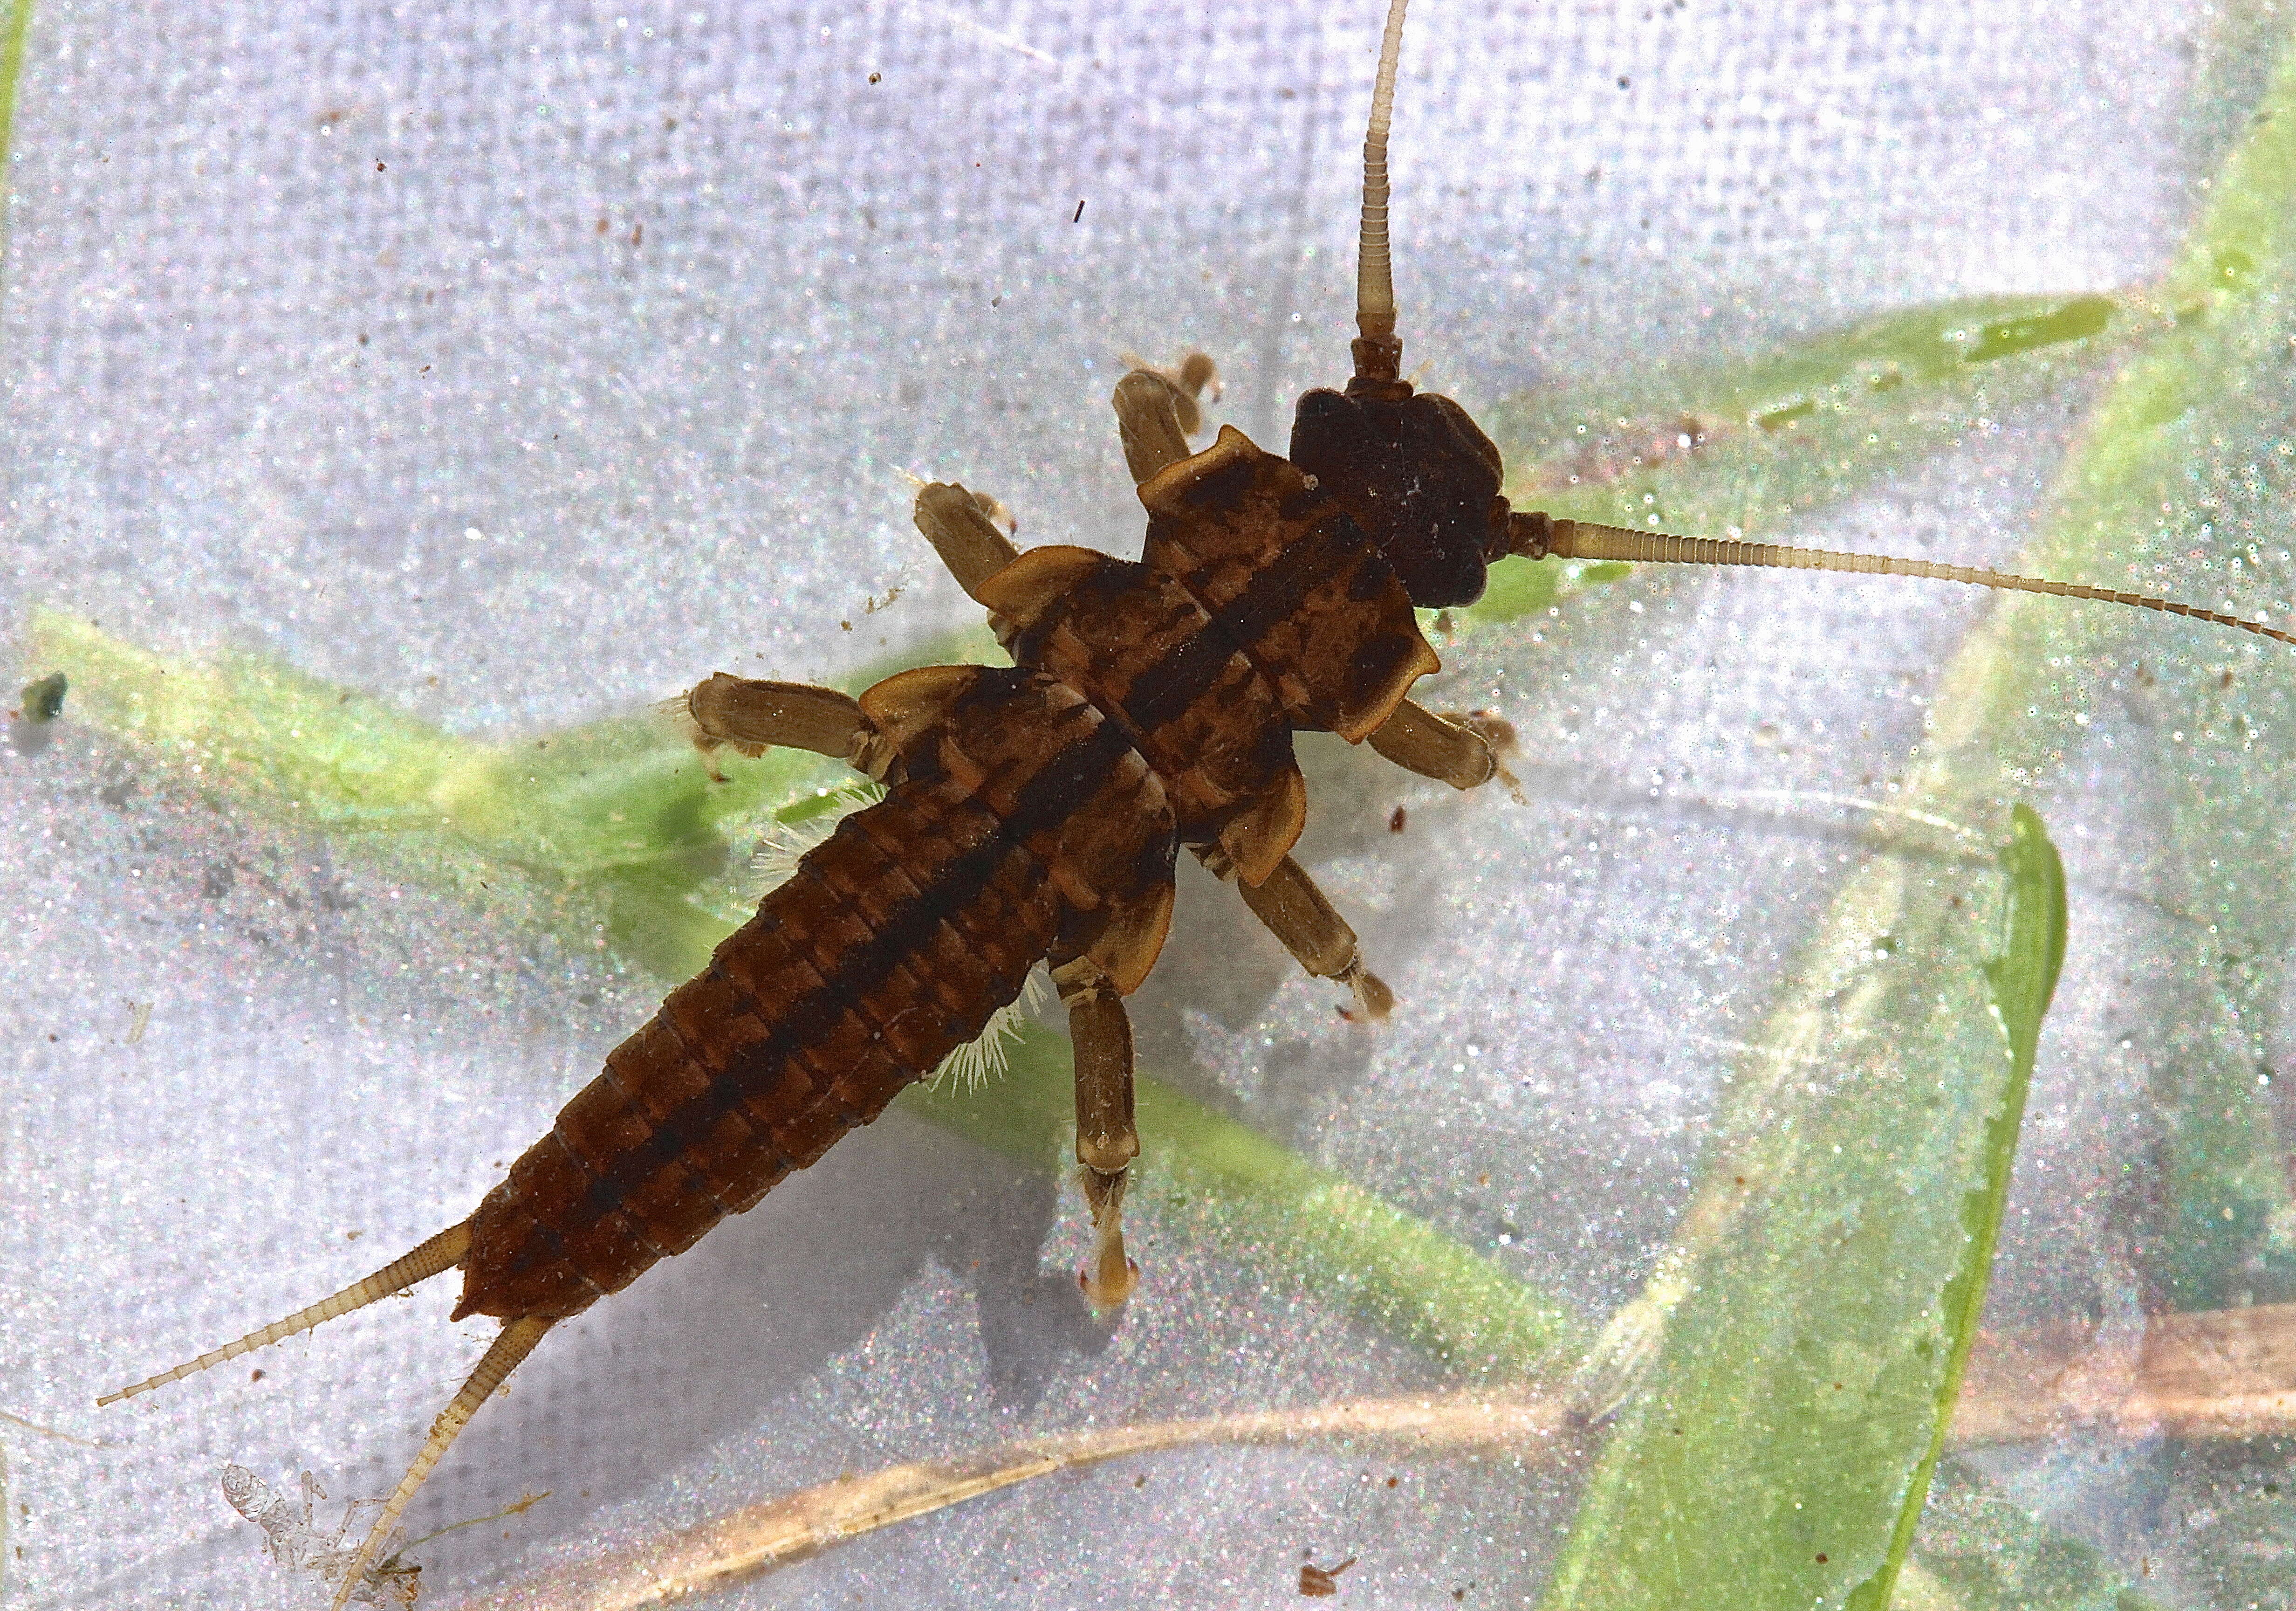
{"x": 1462, "y": 751}
{"x": 749, "y": 715}
{"x": 1157, "y": 411}
{"x": 1107, "y": 1139}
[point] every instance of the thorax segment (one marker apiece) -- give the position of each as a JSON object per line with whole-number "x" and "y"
{"x": 1148, "y": 655}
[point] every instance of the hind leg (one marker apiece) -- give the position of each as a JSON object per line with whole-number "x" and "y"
{"x": 1107, "y": 1140}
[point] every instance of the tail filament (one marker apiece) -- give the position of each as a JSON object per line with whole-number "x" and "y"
{"x": 516, "y": 1341}
{"x": 441, "y": 1252}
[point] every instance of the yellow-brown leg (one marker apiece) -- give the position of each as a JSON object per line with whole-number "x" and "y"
{"x": 958, "y": 526}
{"x": 1297, "y": 913}
{"x": 1107, "y": 1140}
{"x": 1462, "y": 751}
{"x": 749, "y": 715}
{"x": 1156, "y": 412}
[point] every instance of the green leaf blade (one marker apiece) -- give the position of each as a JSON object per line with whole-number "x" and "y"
{"x": 1801, "y": 1393}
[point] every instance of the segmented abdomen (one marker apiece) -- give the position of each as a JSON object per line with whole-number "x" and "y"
{"x": 890, "y": 948}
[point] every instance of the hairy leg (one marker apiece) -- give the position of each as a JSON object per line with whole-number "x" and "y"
{"x": 1107, "y": 1141}
{"x": 749, "y": 715}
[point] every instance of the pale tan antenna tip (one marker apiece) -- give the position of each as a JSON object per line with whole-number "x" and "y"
{"x": 1536, "y": 536}
{"x": 516, "y": 1341}
{"x": 441, "y": 1252}
{"x": 1378, "y": 353}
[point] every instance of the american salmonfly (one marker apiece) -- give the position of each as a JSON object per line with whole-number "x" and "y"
{"x": 1034, "y": 814}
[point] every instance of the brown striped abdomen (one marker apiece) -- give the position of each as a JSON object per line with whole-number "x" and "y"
{"x": 890, "y": 948}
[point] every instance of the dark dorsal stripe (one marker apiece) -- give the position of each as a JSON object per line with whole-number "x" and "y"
{"x": 1072, "y": 777}
{"x": 1187, "y": 674}
{"x": 1280, "y": 588}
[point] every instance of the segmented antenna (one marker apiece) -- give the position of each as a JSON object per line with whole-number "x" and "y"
{"x": 515, "y": 1342}
{"x": 1378, "y": 350}
{"x": 1535, "y": 536}
{"x": 441, "y": 1252}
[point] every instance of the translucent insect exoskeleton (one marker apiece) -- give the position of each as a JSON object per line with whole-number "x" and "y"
{"x": 293, "y": 1540}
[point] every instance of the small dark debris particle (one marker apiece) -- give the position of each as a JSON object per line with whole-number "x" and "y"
{"x": 602, "y": 226}
{"x": 876, "y": 77}
{"x": 845, "y": 626}
{"x": 1395, "y": 821}
{"x": 1821, "y": 1560}
{"x": 1623, "y": 81}
{"x": 1139, "y": 1482}
{"x": 1458, "y": 1594}
{"x": 1317, "y": 1583}
{"x": 637, "y": 234}
{"x": 1392, "y": 1481}
{"x": 44, "y": 700}
{"x": 1079, "y": 213}
{"x": 362, "y": 338}
{"x": 2226, "y": 680}
{"x": 256, "y": 1376}
{"x": 378, "y": 167}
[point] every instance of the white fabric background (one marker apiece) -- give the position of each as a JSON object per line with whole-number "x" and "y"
{"x": 295, "y": 296}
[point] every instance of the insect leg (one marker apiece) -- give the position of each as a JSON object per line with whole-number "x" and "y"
{"x": 1156, "y": 412}
{"x": 969, "y": 542}
{"x": 748, "y": 715}
{"x": 1107, "y": 1140}
{"x": 1297, "y": 913}
{"x": 1463, "y": 752}
{"x": 516, "y": 1341}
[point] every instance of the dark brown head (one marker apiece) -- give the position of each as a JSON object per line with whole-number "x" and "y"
{"x": 1417, "y": 475}
{"x": 1412, "y": 469}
